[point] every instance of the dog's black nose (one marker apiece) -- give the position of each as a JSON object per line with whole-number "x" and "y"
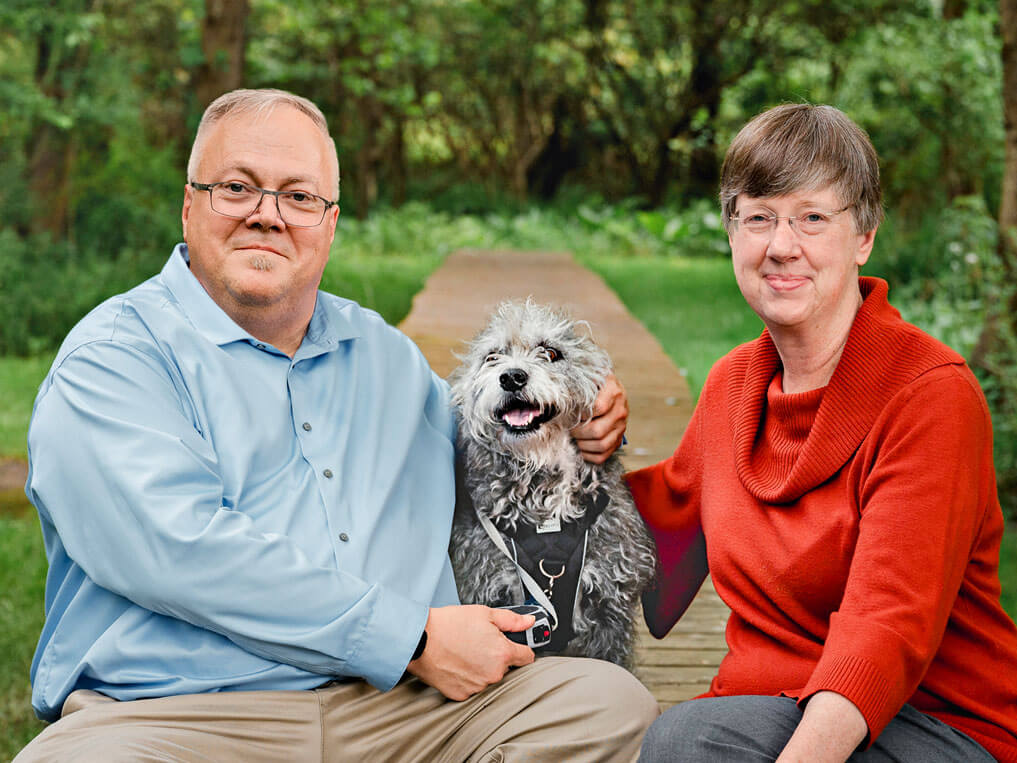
{"x": 513, "y": 380}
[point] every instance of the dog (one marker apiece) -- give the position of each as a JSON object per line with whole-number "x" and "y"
{"x": 569, "y": 526}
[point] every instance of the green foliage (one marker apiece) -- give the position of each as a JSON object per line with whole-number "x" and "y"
{"x": 948, "y": 268}
{"x": 952, "y": 284}
{"x": 48, "y": 286}
{"x": 1008, "y": 570}
{"x": 924, "y": 112}
{"x": 627, "y": 97}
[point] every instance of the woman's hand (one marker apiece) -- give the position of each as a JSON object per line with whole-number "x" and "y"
{"x": 830, "y": 730}
{"x": 599, "y": 437}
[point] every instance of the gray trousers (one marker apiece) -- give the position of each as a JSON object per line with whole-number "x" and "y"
{"x": 757, "y": 728}
{"x": 557, "y": 709}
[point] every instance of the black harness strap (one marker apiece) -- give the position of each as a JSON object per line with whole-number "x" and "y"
{"x": 555, "y": 560}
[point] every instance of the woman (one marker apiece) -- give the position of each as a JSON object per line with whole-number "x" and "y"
{"x": 837, "y": 481}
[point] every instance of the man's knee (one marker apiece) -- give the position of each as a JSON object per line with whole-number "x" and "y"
{"x": 612, "y": 690}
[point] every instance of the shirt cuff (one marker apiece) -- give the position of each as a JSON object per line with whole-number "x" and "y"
{"x": 390, "y": 636}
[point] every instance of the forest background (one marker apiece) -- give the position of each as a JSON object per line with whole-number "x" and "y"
{"x": 592, "y": 125}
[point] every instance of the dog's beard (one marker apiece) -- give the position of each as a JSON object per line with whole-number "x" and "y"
{"x": 535, "y": 435}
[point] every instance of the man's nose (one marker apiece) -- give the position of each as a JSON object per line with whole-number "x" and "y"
{"x": 513, "y": 380}
{"x": 266, "y": 214}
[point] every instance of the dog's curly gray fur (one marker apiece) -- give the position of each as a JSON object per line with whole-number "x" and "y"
{"x": 533, "y": 471}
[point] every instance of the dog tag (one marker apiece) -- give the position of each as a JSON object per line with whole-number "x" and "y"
{"x": 552, "y": 525}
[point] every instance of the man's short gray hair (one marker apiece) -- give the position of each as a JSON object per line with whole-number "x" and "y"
{"x": 797, "y": 147}
{"x": 255, "y": 103}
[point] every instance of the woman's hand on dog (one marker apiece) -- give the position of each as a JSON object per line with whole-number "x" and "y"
{"x": 467, "y": 650}
{"x": 601, "y": 436}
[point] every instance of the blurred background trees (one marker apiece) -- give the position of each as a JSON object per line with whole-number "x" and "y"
{"x": 616, "y": 112}
{"x": 622, "y": 98}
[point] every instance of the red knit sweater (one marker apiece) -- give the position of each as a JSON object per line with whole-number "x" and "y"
{"x": 854, "y": 531}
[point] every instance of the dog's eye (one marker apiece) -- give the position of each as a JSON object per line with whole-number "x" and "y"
{"x": 491, "y": 357}
{"x": 550, "y": 353}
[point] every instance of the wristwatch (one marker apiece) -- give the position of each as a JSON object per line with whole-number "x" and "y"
{"x": 420, "y": 647}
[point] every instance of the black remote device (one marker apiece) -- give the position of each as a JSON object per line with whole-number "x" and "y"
{"x": 538, "y": 634}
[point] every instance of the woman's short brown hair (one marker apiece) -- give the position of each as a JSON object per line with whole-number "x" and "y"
{"x": 797, "y": 147}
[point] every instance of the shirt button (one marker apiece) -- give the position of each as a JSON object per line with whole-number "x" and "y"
{"x": 307, "y": 426}
{"x": 328, "y": 473}
{"x": 344, "y": 537}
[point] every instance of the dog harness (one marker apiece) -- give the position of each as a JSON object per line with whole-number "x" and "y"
{"x": 556, "y": 559}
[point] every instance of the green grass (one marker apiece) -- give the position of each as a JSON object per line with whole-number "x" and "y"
{"x": 22, "y": 580}
{"x": 692, "y": 306}
{"x": 19, "y": 380}
{"x": 386, "y": 284}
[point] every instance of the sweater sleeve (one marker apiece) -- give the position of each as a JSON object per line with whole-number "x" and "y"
{"x": 925, "y": 480}
{"x": 668, "y": 496}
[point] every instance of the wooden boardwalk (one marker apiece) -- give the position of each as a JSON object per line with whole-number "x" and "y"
{"x": 454, "y": 305}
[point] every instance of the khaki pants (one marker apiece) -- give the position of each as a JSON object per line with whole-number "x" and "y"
{"x": 557, "y": 709}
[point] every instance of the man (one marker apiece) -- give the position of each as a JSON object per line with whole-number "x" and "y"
{"x": 245, "y": 487}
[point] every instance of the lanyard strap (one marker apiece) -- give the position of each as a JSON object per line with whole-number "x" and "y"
{"x": 529, "y": 583}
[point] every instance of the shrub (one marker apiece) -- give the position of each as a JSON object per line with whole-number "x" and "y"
{"x": 957, "y": 288}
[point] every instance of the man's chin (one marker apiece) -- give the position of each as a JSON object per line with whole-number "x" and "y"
{"x": 256, "y": 288}
{"x": 258, "y": 259}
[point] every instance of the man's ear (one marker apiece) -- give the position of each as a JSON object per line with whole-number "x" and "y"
{"x": 186, "y": 211}
{"x": 333, "y": 220}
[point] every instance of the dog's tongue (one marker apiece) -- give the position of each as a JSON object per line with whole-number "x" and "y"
{"x": 520, "y": 418}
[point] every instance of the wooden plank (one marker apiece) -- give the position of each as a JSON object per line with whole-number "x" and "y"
{"x": 680, "y": 640}
{"x": 675, "y": 693}
{"x": 680, "y": 658}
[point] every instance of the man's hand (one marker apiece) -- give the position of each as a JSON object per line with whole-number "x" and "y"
{"x": 599, "y": 437}
{"x": 466, "y": 650}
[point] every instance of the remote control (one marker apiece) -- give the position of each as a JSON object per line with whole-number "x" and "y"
{"x": 538, "y": 634}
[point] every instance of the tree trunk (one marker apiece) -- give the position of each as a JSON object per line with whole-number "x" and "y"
{"x": 49, "y": 167}
{"x": 561, "y": 153}
{"x": 397, "y": 161}
{"x": 954, "y": 9}
{"x": 50, "y": 149}
{"x": 224, "y": 43}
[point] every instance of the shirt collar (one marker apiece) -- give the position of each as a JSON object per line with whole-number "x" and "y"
{"x": 330, "y": 323}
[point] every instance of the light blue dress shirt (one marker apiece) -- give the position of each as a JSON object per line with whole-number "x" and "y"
{"x": 218, "y": 516}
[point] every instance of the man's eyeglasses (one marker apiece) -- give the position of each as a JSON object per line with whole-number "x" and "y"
{"x": 811, "y": 223}
{"x": 239, "y": 200}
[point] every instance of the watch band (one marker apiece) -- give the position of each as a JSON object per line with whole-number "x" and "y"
{"x": 420, "y": 647}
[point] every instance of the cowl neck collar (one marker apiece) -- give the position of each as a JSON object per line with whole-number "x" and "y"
{"x": 883, "y": 353}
